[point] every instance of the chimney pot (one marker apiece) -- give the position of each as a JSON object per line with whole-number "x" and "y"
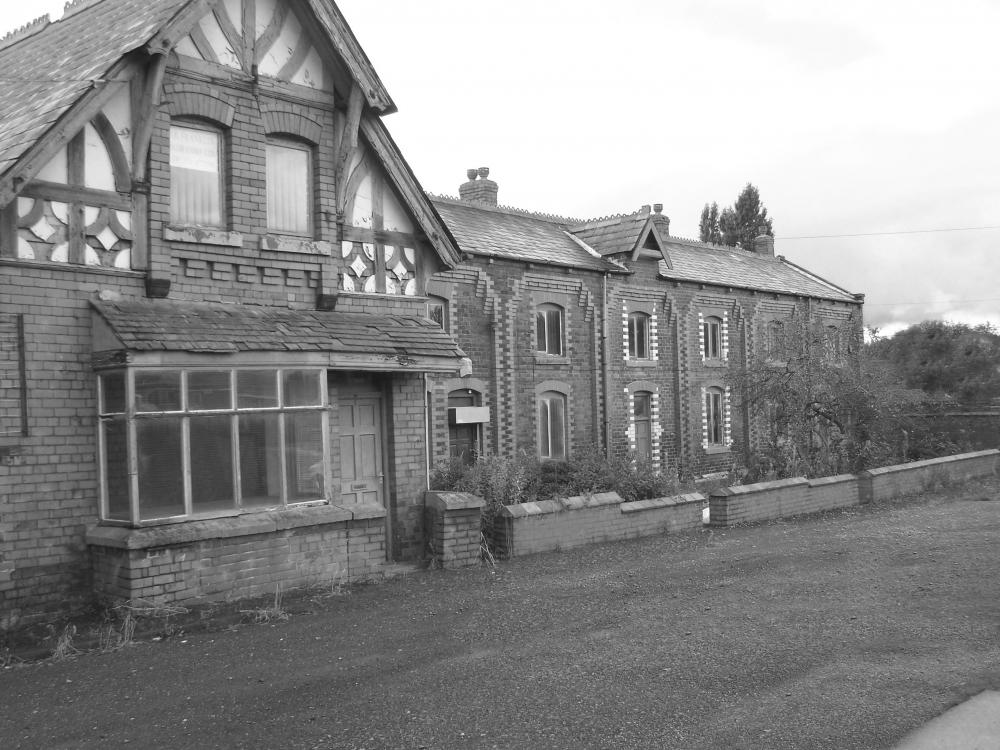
{"x": 484, "y": 172}
{"x": 471, "y": 173}
{"x": 658, "y": 208}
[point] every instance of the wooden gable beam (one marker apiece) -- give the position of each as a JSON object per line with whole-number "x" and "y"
{"x": 145, "y": 100}
{"x": 387, "y": 154}
{"x": 89, "y": 104}
{"x": 348, "y": 143}
{"x": 180, "y": 26}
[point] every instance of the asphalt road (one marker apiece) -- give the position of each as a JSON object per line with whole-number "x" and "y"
{"x": 845, "y": 630}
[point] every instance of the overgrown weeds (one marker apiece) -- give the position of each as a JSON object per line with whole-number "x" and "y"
{"x": 273, "y": 613}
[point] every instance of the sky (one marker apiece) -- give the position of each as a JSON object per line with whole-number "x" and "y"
{"x": 870, "y": 129}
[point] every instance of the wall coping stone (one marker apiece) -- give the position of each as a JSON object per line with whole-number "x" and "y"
{"x": 749, "y": 489}
{"x": 663, "y": 502}
{"x": 266, "y": 522}
{"x": 835, "y": 479}
{"x": 448, "y": 501}
{"x": 881, "y": 471}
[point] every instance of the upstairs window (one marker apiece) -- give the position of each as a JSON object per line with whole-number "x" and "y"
{"x": 775, "y": 341}
{"x": 437, "y": 311}
{"x": 549, "y": 330}
{"x": 196, "y": 182}
{"x": 289, "y": 187}
{"x": 638, "y": 335}
{"x": 711, "y": 337}
{"x": 832, "y": 346}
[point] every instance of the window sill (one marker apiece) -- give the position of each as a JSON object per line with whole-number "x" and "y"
{"x": 641, "y": 362}
{"x": 203, "y": 236}
{"x": 248, "y": 524}
{"x": 714, "y": 362}
{"x": 285, "y": 244}
{"x": 550, "y": 359}
{"x": 716, "y": 449}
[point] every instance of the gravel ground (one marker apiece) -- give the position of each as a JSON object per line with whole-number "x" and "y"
{"x": 842, "y": 630}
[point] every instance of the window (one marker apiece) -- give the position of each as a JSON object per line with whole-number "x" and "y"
{"x": 831, "y": 344}
{"x": 210, "y": 442}
{"x": 549, "y": 330}
{"x": 289, "y": 187}
{"x": 774, "y": 342}
{"x": 552, "y": 426}
{"x": 638, "y": 335}
{"x": 711, "y": 337}
{"x": 464, "y": 438}
{"x": 437, "y": 310}
{"x": 642, "y": 419}
{"x": 715, "y": 417}
{"x": 195, "y": 176}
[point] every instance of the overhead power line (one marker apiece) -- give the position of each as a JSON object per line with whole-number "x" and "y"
{"x": 883, "y": 234}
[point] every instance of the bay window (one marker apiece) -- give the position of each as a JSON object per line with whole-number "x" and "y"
{"x": 187, "y": 443}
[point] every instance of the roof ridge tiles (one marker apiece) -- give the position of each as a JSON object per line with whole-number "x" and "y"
{"x": 29, "y": 29}
{"x": 75, "y": 6}
{"x": 609, "y": 220}
{"x": 541, "y": 215}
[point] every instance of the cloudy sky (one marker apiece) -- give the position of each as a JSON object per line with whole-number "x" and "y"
{"x": 870, "y": 129}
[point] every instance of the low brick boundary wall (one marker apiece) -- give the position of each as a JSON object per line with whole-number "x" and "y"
{"x": 907, "y": 479}
{"x": 233, "y": 558}
{"x": 454, "y": 527}
{"x": 551, "y": 525}
{"x": 794, "y": 497}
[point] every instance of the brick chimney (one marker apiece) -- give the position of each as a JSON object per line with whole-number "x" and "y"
{"x": 662, "y": 222}
{"x": 482, "y": 190}
{"x": 764, "y": 245}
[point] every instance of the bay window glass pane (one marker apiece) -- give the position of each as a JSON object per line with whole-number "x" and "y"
{"x": 209, "y": 390}
{"x": 212, "y": 485}
{"x": 161, "y": 469}
{"x": 288, "y": 196}
{"x": 195, "y": 176}
{"x": 157, "y": 390}
{"x": 116, "y": 475}
{"x": 304, "y": 456}
{"x": 256, "y": 389}
{"x": 113, "y": 393}
{"x": 300, "y": 387}
{"x": 260, "y": 460}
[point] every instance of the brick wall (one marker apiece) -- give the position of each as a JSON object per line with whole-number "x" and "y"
{"x": 48, "y": 479}
{"x": 797, "y": 496}
{"x": 239, "y": 557}
{"x": 454, "y": 522}
{"x": 573, "y": 522}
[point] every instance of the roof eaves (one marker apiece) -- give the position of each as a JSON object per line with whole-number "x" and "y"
{"x": 816, "y": 277}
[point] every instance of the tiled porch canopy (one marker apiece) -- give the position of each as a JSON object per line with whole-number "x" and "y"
{"x": 139, "y": 330}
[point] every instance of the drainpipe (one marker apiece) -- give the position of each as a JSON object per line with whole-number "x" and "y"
{"x": 605, "y": 365}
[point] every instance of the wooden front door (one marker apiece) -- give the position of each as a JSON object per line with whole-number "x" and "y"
{"x": 360, "y": 428}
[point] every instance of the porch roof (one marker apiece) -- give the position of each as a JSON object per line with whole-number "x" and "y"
{"x": 345, "y": 340}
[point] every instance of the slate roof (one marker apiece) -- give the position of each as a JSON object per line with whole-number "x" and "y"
{"x": 519, "y": 235}
{"x": 162, "y": 325}
{"x": 43, "y": 74}
{"x": 613, "y": 235}
{"x": 728, "y": 266}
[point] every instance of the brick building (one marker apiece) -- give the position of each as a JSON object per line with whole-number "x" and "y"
{"x": 237, "y": 332}
{"x": 648, "y": 328}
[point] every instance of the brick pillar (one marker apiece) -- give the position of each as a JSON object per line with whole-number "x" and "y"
{"x": 453, "y": 522}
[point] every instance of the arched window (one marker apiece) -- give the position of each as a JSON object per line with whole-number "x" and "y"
{"x": 711, "y": 335}
{"x": 549, "y": 330}
{"x": 289, "y": 186}
{"x": 552, "y": 426}
{"x": 638, "y": 335}
{"x": 775, "y": 341}
{"x": 715, "y": 417}
{"x": 642, "y": 419}
{"x": 196, "y": 174}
